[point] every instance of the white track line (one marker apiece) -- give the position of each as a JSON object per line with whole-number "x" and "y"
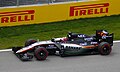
{"x": 116, "y": 41}
{"x": 5, "y": 50}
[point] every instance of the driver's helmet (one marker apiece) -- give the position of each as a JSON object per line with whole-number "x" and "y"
{"x": 104, "y": 32}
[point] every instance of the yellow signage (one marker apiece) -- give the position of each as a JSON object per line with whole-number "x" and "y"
{"x": 90, "y": 9}
{"x": 16, "y": 16}
{"x": 57, "y": 12}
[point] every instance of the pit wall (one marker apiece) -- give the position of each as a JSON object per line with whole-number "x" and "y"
{"x": 24, "y": 15}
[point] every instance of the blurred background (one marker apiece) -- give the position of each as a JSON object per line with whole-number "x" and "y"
{"x": 4, "y": 3}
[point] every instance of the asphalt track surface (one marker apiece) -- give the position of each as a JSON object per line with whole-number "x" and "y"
{"x": 88, "y": 63}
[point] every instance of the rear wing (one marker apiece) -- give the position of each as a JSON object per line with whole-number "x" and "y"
{"x": 109, "y": 39}
{"x": 103, "y": 35}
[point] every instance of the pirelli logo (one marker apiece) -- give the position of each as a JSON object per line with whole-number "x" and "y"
{"x": 89, "y": 9}
{"x": 17, "y": 16}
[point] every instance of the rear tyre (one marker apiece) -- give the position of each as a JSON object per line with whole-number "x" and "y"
{"x": 29, "y": 42}
{"x": 41, "y": 53}
{"x": 104, "y": 48}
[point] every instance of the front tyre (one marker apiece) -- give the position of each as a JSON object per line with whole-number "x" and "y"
{"x": 41, "y": 53}
{"x": 62, "y": 53}
{"x": 29, "y": 42}
{"x": 104, "y": 48}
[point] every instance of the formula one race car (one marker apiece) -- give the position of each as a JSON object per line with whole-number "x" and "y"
{"x": 73, "y": 44}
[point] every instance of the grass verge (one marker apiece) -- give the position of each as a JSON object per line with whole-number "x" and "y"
{"x": 17, "y": 35}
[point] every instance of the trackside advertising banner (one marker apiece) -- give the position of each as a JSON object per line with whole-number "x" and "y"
{"x": 24, "y": 15}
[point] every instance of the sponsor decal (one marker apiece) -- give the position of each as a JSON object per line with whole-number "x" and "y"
{"x": 89, "y": 9}
{"x": 17, "y": 16}
{"x": 70, "y": 46}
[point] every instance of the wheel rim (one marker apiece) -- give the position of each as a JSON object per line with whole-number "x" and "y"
{"x": 42, "y": 54}
{"x": 106, "y": 50}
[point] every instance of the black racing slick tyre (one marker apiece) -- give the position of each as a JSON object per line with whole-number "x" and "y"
{"x": 41, "y": 53}
{"x": 104, "y": 48}
{"x": 29, "y": 42}
{"x": 62, "y": 53}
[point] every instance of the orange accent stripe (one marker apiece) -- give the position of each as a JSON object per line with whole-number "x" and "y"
{"x": 91, "y": 46}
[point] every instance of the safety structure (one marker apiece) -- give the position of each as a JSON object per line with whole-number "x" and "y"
{"x": 37, "y": 14}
